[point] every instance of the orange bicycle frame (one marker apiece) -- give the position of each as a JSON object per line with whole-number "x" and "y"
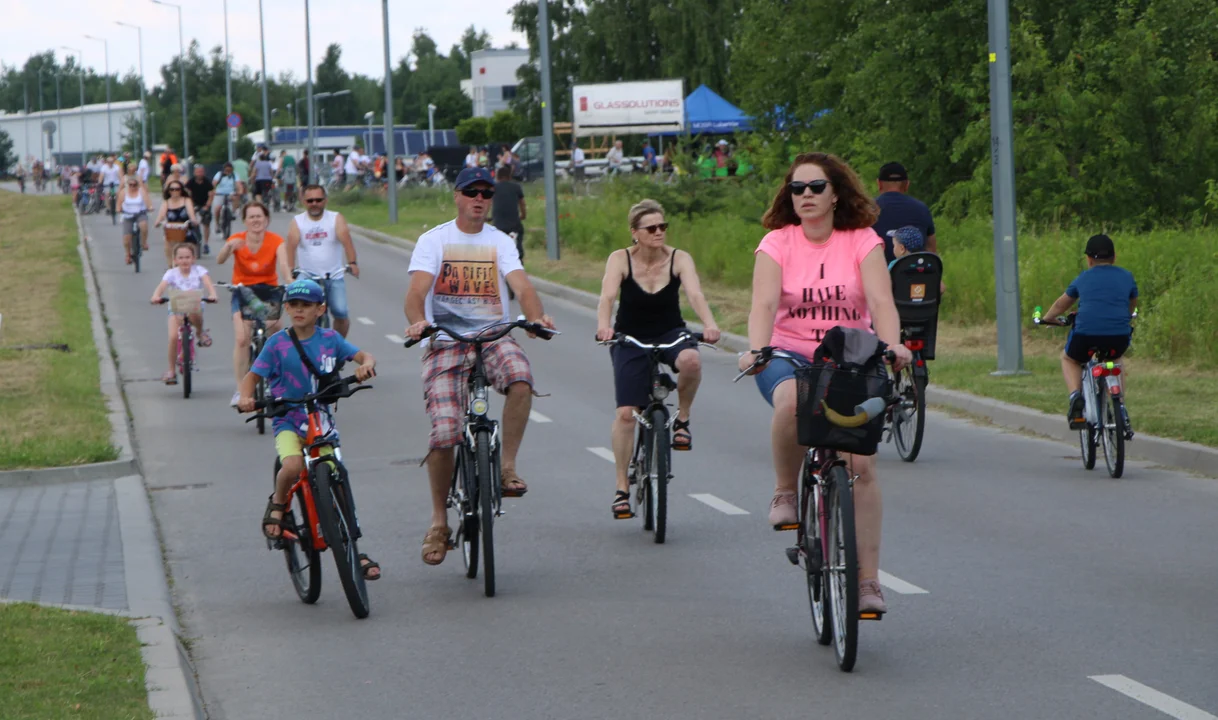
{"x": 302, "y": 486}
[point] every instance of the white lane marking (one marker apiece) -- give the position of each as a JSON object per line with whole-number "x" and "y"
{"x": 365, "y": 321}
{"x": 538, "y": 417}
{"x": 899, "y": 586}
{"x": 719, "y": 504}
{"x": 602, "y": 452}
{"x": 398, "y": 339}
{"x": 1149, "y": 696}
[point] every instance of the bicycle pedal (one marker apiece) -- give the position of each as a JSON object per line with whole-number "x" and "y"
{"x": 793, "y": 555}
{"x": 871, "y": 616}
{"x": 623, "y": 516}
{"x": 788, "y": 526}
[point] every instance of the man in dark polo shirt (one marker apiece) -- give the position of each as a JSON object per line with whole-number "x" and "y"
{"x": 898, "y": 209}
{"x": 508, "y": 211}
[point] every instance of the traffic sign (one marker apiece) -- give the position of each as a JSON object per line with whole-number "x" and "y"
{"x": 233, "y": 120}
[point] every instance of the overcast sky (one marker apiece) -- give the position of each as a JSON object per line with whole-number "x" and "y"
{"x": 32, "y": 26}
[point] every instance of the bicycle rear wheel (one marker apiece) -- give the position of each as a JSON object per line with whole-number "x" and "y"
{"x": 300, "y": 556}
{"x": 185, "y": 356}
{"x": 812, "y": 548}
{"x": 657, "y": 478}
{"x": 338, "y": 527}
{"x": 909, "y": 416}
{"x": 843, "y": 569}
{"x": 1112, "y": 420}
{"x": 486, "y": 502}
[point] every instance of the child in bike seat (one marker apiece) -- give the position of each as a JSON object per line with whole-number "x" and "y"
{"x": 906, "y": 240}
{"x": 292, "y": 361}
{"x": 1107, "y": 296}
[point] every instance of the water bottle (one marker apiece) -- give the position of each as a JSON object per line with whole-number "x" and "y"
{"x": 256, "y": 304}
{"x": 1036, "y": 315}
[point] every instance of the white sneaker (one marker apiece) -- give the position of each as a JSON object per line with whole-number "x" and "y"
{"x": 236, "y": 399}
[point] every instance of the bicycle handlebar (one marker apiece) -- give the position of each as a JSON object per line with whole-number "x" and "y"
{"x": 768, "y": 353}
{"x": 164, "y": 300}
{"x": 275, "y": 407}
{"x": 536, "y": 328}
{"x": 315, "y": 277}
{"x": 621, "y": 339}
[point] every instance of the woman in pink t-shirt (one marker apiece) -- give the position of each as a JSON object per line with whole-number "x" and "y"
{"x": 820, "y": 266}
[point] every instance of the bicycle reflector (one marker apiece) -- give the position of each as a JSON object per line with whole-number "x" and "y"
{"x": 1106, "y": 369}
{"x": 915, "y": 345}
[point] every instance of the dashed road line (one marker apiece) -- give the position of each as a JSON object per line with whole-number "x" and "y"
{"x": 538, "y": 417}
{"x": 719, "y": 504}
{"x": 397, "y": 339}
{"x": 365, "y": 321}
{"x": 899, "y": 586}
{"x": 602, "y": 452}
{"x": 1149, "y": 696}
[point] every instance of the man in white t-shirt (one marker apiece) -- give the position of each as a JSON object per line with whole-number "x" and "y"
{"x": 615, "y": 156}
{"x": 577, "y": 166}
{"x": 319, "y": 243}
{"x": 457, "y": 272}
{"x": 144, "y": 168}
{"x": 471, "y": 160}
{"x": 355, "y": 165}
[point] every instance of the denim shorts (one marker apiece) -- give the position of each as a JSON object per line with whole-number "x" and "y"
{"x": 336, "y": 297}
{"x": 777, "y": 372}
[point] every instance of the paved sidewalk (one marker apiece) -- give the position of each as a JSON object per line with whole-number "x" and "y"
{"x": 62, "y": 544}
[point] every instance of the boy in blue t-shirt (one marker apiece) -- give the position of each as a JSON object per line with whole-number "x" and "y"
{"x": 1107, "y": 296}
{"x": 288, "y": 377}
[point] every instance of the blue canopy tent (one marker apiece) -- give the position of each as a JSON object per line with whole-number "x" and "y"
{"x": 706, "y": 113}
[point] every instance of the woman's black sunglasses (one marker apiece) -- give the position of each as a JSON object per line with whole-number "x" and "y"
{"x": 174, "y": 188}
{"x": 486, "y": 193}
{"x": 662, "y": 227}
{"x": 817, "y": 186}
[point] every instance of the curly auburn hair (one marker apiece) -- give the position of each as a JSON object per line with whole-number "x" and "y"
{"x": 854, "y": 210}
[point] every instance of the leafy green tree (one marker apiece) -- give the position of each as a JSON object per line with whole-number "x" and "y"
{"x": 473, "y": 131}
{"x": 504, "y": 126}
{"x": 7, "y": 159}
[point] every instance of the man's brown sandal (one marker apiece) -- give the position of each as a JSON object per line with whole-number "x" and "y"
{"x": 437, "y": 540}
{"x": 512, "y": 485}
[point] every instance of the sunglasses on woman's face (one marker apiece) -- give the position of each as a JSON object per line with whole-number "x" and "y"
{"x": 486, "y": 193}
{"x": 175, "y": 189}
{"x": 662, "y": 227}
{"x": 817, "y": 187}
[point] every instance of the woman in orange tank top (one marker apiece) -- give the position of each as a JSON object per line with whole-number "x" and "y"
{"x": 259, "y": 260}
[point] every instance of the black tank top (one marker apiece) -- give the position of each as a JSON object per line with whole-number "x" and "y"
{"x": 647, "y": 315}
{"x": 177, "y": 215}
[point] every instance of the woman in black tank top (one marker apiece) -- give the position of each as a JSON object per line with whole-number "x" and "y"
{"x": 649, "y": 276}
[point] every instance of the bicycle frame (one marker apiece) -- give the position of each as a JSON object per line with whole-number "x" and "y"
{"x": 315, "y": 440}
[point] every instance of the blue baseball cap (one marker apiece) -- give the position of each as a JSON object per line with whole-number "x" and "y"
{"x": 306, "y": 290}
{"x": 469, "y": 176}
{"x": 910, "y": 237}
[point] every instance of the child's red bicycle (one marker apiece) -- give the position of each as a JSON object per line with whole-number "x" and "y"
{"x": 320, "y": 511}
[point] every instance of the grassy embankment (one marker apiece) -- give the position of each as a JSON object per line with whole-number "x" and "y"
{"x": 1172, "y": 369}
{"x": 51, "y": 407}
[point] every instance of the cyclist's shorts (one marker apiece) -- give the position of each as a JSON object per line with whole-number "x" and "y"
{"x": 446, "y": 367}
{"x": 632, "y": 368}
{"x": 264, "y": 188}
{"x": 204, "y": 216}
{"x": 270, "y": 295}
{"x": 129, "y": 221}
{"x": 776, "y": 373}
{"x": 290, "y": 444}
{"x": 336, "y": 297}
{"x": 1080, "y": 347}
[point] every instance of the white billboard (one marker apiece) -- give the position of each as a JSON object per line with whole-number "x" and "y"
{"x": 627, "y": 108}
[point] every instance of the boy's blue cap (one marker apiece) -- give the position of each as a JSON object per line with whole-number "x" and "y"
{"x": 910, "y": 237}
{"x": 306, "y": 290}
{"x": 469, "y": 176}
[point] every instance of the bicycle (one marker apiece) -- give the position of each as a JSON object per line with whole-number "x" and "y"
{"x": 916, "y": 289}
{"x": 226, "y": 217}
{"x": 320, "y": 512}
{"x": 289, "y": 196}
{"x": 111, "y": 204}
{"x": 137, "y": 246}
{"x": 185, "y": 303}
{"x": 259, "y": 310}
{"x": 476, "y": 493}
{"x": 1107, "y": 419}
{"x": 826, "y": 511}
{"x": 651, "y": 458}
{"x": 322, "y": 280}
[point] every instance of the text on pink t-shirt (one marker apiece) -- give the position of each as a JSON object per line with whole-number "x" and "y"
{"x": 822, "y": 286}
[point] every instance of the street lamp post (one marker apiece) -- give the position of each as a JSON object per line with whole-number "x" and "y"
{"x": 431, "y": 126}
{"x": 547, "y": 129}
{"x": 309, "y": 93}
{"x": 368, "y": 116}
{"x": 152, "y": 119}
{"x": 109, "y": 127}
{"x": 58, "y": 115}
{"x": 42, "y": 145}
{"x": 81, "y": 75}
{"x": 390, "y": 150}
{"x": 143, "y": 106}
{"x": 181, "y": 75}
{"x": 25, "y": 94}
{"x": 228, "y": 83}
{"x": 266, "y": 120}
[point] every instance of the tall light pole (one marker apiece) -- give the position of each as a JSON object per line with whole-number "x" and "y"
{"x": 309, "y": 94}
{"x": 25, "y": 93}
{"x": 266, "y": 113}
{"x": 152, "y": 119}
{"x": 58, "y": 115}
{"x": 42, "y": 134}
{"x": 143, "y": 106}
{"x": 390, "y": 150}
{"x": 81, "y": 70}
{"x": 228, "y": 83}
{"x": 1006, "y": 253}
{"x": 368, "y": 116}
{"x": 181, "y": 76}
{"x": 431, "y": 126}
{"x": 109, "y": 126}
{"x": 295, "y": 121}
{"x": 547, "y": 129}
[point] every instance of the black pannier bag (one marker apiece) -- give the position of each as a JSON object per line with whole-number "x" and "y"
{"x": 847, "y": 369}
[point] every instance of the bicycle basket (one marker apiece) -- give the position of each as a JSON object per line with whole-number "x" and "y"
{"x": 841, "y": 388}
{"x": 185, "y": 301}
{"x": 261, "y": 302}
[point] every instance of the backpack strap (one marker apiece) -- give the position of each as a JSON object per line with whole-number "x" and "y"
{"x": 304, "y": 357}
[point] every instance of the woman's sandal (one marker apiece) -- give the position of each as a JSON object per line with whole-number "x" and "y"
{"x": 269, "y": 522}
{"x": 436, "y": 540}
{"x": 621, "y": 506}
{"x": 169, "y": 378}
{"x": 204, "y": 338}
{"x": 681, "y": 438}
{"x": 368, "y": 566}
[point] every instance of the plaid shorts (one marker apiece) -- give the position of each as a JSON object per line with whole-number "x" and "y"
{"x": 446, "y": 368}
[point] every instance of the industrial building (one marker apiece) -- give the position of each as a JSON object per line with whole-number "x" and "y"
{"x": 492, "y": 83}
{"x": 58, "y": 136}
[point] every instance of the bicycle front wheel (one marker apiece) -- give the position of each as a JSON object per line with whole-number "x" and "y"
{"x": 657, "y": 478}
{"x": 812, "y": 546}
{"x": 338, "y": 529}
{"x": 1113, "y": 424}
{"x": 467, "y": 530}
{"x": 843, "y": 569}
{"x": 136, "y": 247}
{"x": 486, "y": 501}
{"x": 909, "y": 416}
{"x": 185, "y": 357}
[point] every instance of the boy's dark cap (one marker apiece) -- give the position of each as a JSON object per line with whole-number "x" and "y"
{"x": 1100, "y": 247}
{"x": 893, "y": 172}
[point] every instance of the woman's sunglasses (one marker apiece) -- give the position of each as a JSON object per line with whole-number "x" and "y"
{"x": 662, "y": 227}
{"x": 175, "y": 188}
{"x": 817, "y": 187}
{"x": 486, "y": 193}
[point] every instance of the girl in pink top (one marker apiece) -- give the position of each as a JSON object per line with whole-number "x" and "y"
{"x": 820, "y": 266}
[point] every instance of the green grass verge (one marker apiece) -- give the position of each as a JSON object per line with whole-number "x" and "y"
{"x": 64, "y": 664}
{"x": 1165, "y": 398}
{"x": 52, "y": 411}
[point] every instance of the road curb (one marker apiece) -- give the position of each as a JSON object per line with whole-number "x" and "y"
{"x": 120, "y": 430}
{"x": 1184, "y": 455}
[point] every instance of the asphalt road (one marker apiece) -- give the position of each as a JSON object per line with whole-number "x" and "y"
{"x": 1034, "y": 575}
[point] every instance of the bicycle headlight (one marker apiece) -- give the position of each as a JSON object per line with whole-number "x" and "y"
{"x": 659, "y": 391}
{"x": 479, "y": 406}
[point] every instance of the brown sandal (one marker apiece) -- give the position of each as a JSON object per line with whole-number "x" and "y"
{"x": 436, "y": 540}
{"x": 511, "y": 485}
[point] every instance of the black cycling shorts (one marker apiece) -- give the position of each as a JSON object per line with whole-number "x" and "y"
{"x": 204, "y": 214}
{"x": 1079, "y": 348}
{"x": 632, "y": 369}
{"x": 264, "y": 188}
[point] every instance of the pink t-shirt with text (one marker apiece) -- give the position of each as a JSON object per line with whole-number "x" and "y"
{"x": 821, "y": 285}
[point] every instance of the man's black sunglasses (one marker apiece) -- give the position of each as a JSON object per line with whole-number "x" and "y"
{"x": 314, "y": 201}
{"x": 486, "y": 193}
{"x": 817, "y": 186}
